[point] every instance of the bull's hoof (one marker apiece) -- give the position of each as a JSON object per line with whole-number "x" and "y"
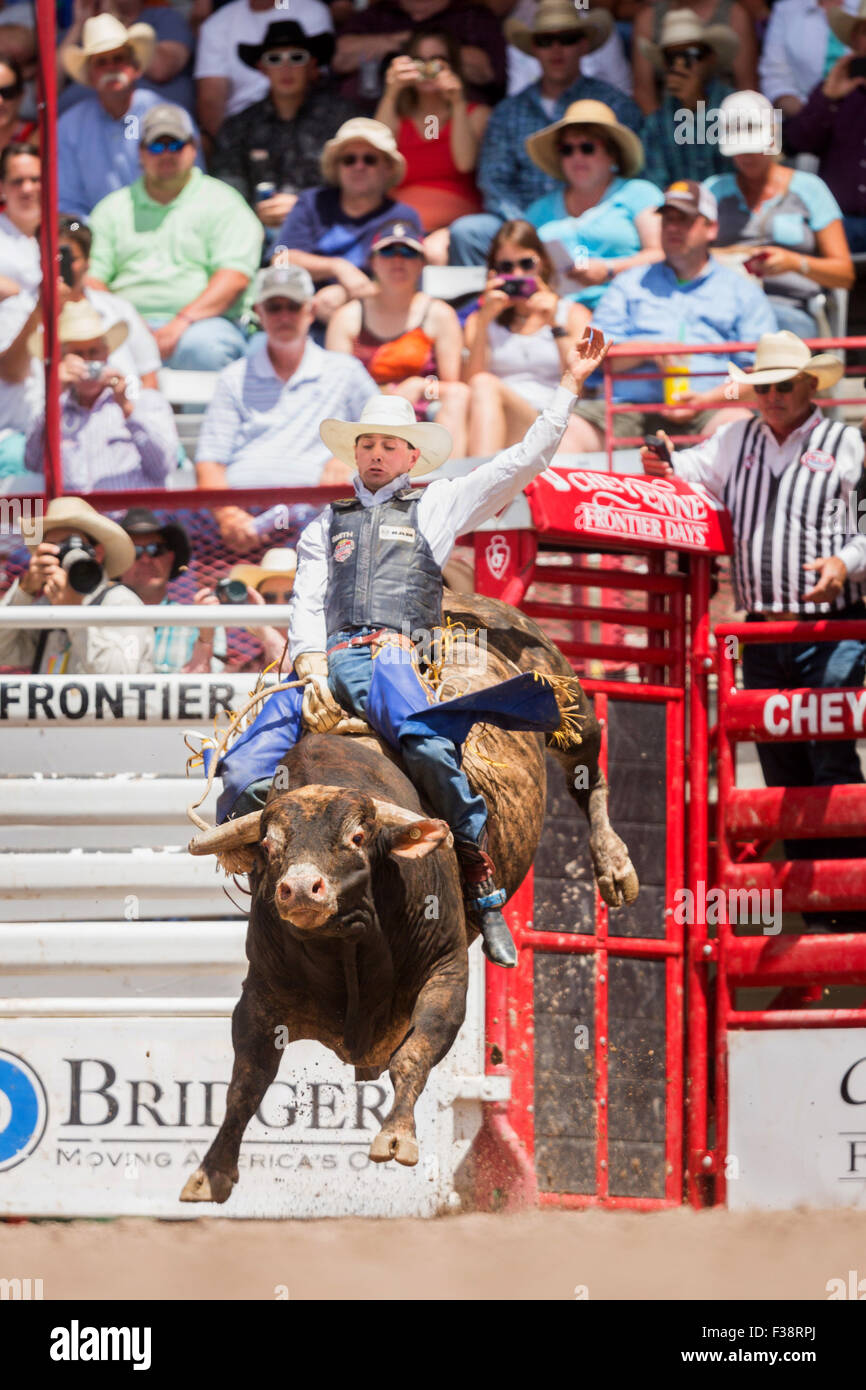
{"x": 207, "y": 1187}
{"x": 620, "y": 886}
{"x": 400, "y": 1146}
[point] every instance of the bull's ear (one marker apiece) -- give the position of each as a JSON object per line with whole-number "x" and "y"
{"x": 419, "y": 838}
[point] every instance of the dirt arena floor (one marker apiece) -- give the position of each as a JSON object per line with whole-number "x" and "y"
{"x": 537, "y": 1255}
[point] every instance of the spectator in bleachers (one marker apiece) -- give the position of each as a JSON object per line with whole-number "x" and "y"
{"x": 405, "y": 339}
{"x": 168, "y": 73}
{"x": 793, "y": 483}
{"x": 330, "y": 230}
{"x": 688, "y": 56}
{"x": 270, "y": 581}
{"x": 739, "y": 71}
{"x": 18, "y": 34}
{"x": 783, "y": 223}
{"x": 371, "y": 35}
{"x": 261, "y": 428}
{"x": 689, "y": 298}
{"x": 832, "y": 125}
{"x": 602, "y": 217}
{"x": 162, "y": 552}
{"x": 517, "y": 345}
{"x": 278, "y": 141}
{"x": 799, "y": 50}
{"x": 21, "y": 189}
{"x": 438, "y": 132}
{"x": 113, "y": 433}
{"x": 95, "y": 650}
{"x": 608, "y": 62}
{"x": 225, "y": 84}
{"x": 97, "y": 139}
{"x": 508, "y": 178}
{"x": 13, "y": 130}
{"x": 181, "y": 246}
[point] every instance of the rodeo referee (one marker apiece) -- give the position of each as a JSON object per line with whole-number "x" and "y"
{"x": 793, "y": 483}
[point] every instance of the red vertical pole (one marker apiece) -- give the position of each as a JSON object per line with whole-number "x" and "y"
{"x": 674, "y": 871}
{"x": 602, "y": 1013}
{"x": 520, "y": 1016}
{"x": 698, "y": 948}
{"x": 46, "y": 31}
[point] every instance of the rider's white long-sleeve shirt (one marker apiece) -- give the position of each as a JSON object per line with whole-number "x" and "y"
{"x": 448, "y": 508}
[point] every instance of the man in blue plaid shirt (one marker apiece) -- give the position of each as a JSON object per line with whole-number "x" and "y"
{"x": 560, "y": 37}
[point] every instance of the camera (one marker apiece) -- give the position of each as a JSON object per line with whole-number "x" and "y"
{"x": 231, "y": 591}
{"x": 519, "y": 286}
{"x": 93, "y": 370}
{"x": 431, "y": 68}
{"x": 78, "y": 558}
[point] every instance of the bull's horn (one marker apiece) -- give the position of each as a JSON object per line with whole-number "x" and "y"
{"x": 391, "y": 814}
{"x": 232, "y": 833}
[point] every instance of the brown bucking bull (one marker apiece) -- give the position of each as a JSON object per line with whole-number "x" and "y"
{"x": 344, "y": 864}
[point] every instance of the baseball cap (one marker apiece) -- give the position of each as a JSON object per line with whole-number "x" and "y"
{"x": 749, "y": 124}
{"x": 691, "y": 197}
{"x": 283, "y": 282}
{"x": 166, "y": 119}
{"x": 397, "y": 234}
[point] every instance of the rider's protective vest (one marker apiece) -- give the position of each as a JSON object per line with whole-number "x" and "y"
{"x": 381, "y": 570}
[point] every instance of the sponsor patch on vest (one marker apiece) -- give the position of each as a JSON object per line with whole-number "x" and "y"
{"x": 398, "y": 533}
{"x": 818, "y": 461}
{"x": 343, "y": 548}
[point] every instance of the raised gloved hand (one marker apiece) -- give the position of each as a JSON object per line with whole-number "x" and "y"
{"x": 320, "y": 711}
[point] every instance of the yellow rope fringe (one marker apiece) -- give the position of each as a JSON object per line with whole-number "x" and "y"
{"x": 565, "y": 691}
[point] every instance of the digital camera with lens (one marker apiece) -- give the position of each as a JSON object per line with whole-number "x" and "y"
{"x": 78, "y": 558}
{"x": 231, "y": 591}
{"x": 93, "y": 370}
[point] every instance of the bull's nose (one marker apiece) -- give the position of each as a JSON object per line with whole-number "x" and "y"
{"x": 307, "y": 894}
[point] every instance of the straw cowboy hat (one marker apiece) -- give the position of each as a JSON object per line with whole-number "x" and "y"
{"x": 682, "y": 27}
{"x": 389, "y": 415}
{"x": 80, "y": 323}
{"x": 103, "y": 34}
{"x": 273, "y": 562}
{"x": 541, "y": 147}
{"x": 560, "y": 17}
{"x": 372, "y": 133}
{"x": 74, "y": 511}
{"x": 842, "y": 22}
{"x": 783, "y": 355}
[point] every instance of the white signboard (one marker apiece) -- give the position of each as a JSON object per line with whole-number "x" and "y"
{"x": 797, "y": 1119}
{"x": 108, "y": 1117}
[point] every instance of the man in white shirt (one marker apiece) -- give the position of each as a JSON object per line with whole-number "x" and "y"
{"x": 370, "y": 573}
{"x": 794, "y": 485}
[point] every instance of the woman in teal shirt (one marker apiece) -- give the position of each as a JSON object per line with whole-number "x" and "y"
{"x": 603, "y": 218}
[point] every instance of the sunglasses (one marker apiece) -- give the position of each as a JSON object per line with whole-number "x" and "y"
{"x": 567, "y": 40}
{"x": 13, "y": 90}
{"x": 566, "y": 148}
{"x": 284, "y": 597}
{"x": 689, "y": 56}
{"x": 784, "y": 388}
{"x": 406, "y": 253}
{"x": 276, "y": 59}
{"x": 279, "y": 306}
{"x": 153, "y": 549}
{"x": 165, "y": 145}
{"x": 368, "y": 159}
{"x": 509, "y": 267}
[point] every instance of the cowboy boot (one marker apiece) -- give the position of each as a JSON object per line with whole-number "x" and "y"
{"x": 484, "y": 900}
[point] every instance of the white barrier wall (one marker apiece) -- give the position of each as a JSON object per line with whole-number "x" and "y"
{"x": 122, "y": 958}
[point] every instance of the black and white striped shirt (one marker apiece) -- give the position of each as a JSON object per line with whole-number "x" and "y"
{"x": 790, "y": 503}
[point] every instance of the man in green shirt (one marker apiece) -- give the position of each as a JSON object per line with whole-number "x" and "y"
{"x": 181, "y": 246}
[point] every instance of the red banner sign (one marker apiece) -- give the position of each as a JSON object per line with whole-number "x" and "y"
{"x": 628, "y": 510}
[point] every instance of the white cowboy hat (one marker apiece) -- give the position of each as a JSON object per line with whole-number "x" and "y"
{"x": 273, "y": 562}
{"x": 783, "y": 355}
{"x": 103, "y": 34}
{"x": 372, "y": 133}
{"x": 559, "y": 17}
{"x": 542, "y": 146}
{"x": 389, "y": 415}
{"x": 750, "y": 125}
{"x": 683, "y": 27}
{"x": 842, "y": 20}
{"x": 80, "y": 323}
{"x": 74, "y": 511}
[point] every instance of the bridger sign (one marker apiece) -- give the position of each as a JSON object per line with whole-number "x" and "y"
{"x": 613, "y": 508}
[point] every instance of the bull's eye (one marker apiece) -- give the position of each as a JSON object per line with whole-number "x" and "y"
{"x": 358, "y": 837}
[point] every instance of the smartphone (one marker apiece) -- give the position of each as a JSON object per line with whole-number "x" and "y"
{"x": 658, "y": 446}
{"x": 66, "y": 266}
{"x": 519, "y": 286}
{"x": 857, "y": 67}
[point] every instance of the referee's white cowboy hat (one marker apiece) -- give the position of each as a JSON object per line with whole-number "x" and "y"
{"x": 783, "y": 355}
{"x": 74, "y": 511}
{"x": 389, "y": 415}
{"x": 103, "y": 34}
{"x": 682, "y": 27}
